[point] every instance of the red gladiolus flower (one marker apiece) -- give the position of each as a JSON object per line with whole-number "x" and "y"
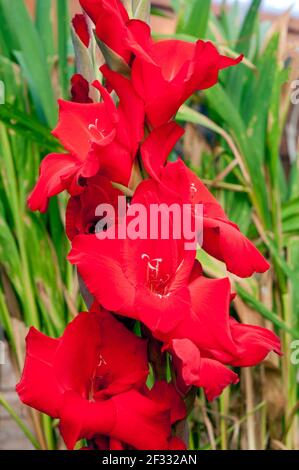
{"x": 164, "y": 300}
{"x": 157, "y": 282}
{"x": 166, "y": 73}
{"x": 222, "y": 238}
{"x": 99, "y": 137}
{"x": 88, "y": 379}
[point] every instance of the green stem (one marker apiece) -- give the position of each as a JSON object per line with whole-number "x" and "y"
{"x": 49, "y": 432}
{"x": 19, "y": 422}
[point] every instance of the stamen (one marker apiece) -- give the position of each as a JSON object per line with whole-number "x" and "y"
{"x": 154, "y": 268}
{"x": 98, "y": 133}
{"x": 193, "y": 190}
{"x": 156, "y": 283}
{"x": 102, "y": 361}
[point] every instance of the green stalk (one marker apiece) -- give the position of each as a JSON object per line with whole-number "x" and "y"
{"x": 223, "y": 403}
{"x": 49, "y": 432}
{"x": 19, "y": 422}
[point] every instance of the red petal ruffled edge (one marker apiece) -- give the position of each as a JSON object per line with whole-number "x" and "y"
{"x": 54, "y": 168}
{"x": 201, "y": 372}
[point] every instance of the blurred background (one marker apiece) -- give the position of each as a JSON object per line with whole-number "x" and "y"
{"x": 241, "y": 139}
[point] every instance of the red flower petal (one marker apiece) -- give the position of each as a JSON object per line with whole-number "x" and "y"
{"x": 99, "y": 265}
{"x": 129, "y": 417}
{"x": 83, "y": 419}
{"x": 167, "y": 395}
{"x": 166, "y": 84}
{"x": 81, "y": 28}
{"x": 130, "y": 130}
{"x": 201, "y": 372}
{"x": 80, "y": 124}
{"x": 123, "y": 360}
{"x": 176, "y": 443}
{"x": 143, "y": 423}
{"x": 109, "y": 16}
{"x": 221, "y": 238}
{"x": 161, "y": 314}
{"x": 92, "y": 8}
{"x": 208, "y": 326}
{"x": 80, "y": 89}
{"x": 38, "y": 386}
{"x": 225, "y": 242}
{"x": 157, "y": 147}
{"x": 54, "y": 168}
{"x": 81, "y": 211}
{"x": 254, "y": 343}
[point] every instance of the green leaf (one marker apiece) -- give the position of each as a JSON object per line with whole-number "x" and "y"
{"x": 260, "y": 97}
{"x": 290, "y": 208}
{"x": 248, "y": 27}
{"x": 28, "y": 126}
{"x": 44, "y": 26}
{"x": 9, "y": 254}
{"x": 63, "y": 36}
{"x": 237, "y": 77}
{"x": 259, "y": 307}
{"x": 221, "y": 103}
{"x": 10, "y": 75}
{"x": 229, "y": 21}
{"x": 113, "y": 60}
{"x": 29, "y": 52}
{"x": 293, "y": 258}
{"x": 176, "y": 4}
{"x": 194, "y": 17}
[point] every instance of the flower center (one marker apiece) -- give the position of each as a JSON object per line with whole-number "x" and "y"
{"x": 97, "y": 133}
{"x": 193, "y": 191}
{"x": 156, "y": 280}
{"x": 99, "y": 381}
